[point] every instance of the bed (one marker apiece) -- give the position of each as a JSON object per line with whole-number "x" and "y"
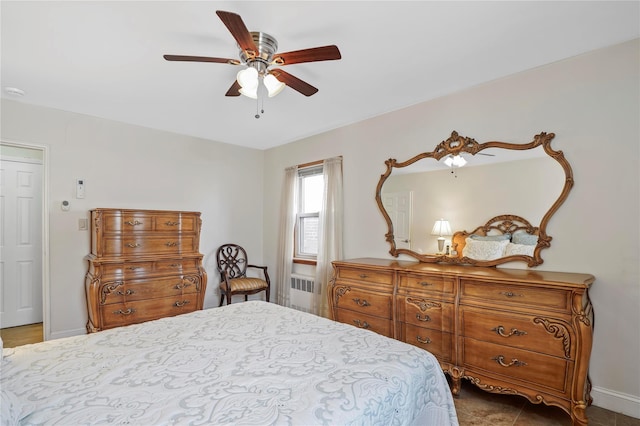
{"x": 246, "y": 363}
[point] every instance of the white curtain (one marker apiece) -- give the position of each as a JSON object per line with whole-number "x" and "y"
{"x": 329, "y": 233}
{"x": 285, "y": 244}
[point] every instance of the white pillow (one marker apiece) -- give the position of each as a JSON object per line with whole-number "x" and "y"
{"x": 484, "y": 250}
{"x": 515, "y": 249}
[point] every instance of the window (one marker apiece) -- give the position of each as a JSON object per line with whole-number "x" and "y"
{"x": 310, "y": 192}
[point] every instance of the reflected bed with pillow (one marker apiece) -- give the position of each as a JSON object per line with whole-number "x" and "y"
{"x": 501, "y": 237}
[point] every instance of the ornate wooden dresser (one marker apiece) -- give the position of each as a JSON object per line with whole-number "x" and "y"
{"x": 143, "y": 265}
{"x": 508, "y": 331}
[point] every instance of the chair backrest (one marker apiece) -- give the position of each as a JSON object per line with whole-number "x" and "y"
{"x": 232, "y": 260}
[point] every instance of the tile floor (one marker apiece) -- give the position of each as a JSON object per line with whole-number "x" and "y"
{"x": 479, "y": 408}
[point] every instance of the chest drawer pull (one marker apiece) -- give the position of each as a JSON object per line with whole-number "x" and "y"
{"x": 514, "y": 332}
{"x": 127, "y": 312}
{"x": 510, "y": 294}
{"x": 426, "y": 318}
{"x": 362, "y": 302}
{"x": 514, "y": 362}
{"x": 171, "y": 244}
{"x": 132, "y": 245}
{"x": 423, "y": 341}
{"x": 363, "y": 276}
{"x": 169, "y": 223}
{"x": 134, "y": 268}
{"x": 133, "y": 223}
{"x": 425, "y": 283}
{"x": 174, "y": 265}
{"x": 361, "y": 324}
{"x": 123, "y": 293}
{"x": 179, "y": 304}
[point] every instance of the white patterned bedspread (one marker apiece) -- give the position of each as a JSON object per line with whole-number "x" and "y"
{"x": 249, "y": 363}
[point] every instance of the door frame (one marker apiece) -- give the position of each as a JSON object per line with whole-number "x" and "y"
{"x": 46, "y": 306}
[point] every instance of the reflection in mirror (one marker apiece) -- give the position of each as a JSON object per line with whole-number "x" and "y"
{"x": 524, "y": 180}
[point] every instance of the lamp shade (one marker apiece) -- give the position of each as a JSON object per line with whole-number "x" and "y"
{"x": 248, "y": 81}
{"x": 273, "y": 85}
{"x": 457, "y": 161}
{"x": 441, "y": 228}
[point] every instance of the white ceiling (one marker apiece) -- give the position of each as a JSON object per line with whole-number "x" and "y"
{"x": 105, "y": 58}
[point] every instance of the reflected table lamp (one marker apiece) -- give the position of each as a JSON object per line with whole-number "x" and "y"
{"x": 441, "y": 228}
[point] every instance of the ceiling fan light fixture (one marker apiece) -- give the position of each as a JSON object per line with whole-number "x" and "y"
{"x": 248, "y": 79}
{"x": 273, "y": 85}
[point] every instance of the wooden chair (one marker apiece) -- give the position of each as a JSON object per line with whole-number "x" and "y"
{"x": 232, "y": 266}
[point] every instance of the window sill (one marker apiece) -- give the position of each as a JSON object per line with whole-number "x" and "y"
{"x": 305, "y": 261}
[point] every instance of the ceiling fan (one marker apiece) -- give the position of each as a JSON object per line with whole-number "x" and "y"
{"x": 258, "y": 51}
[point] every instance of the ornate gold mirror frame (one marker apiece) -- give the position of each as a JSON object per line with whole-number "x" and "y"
{"x": 506, "y": 223}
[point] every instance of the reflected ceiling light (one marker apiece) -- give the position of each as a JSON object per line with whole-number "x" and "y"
{"x": 457, "y": 161}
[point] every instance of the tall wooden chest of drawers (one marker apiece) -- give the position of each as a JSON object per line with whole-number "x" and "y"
{"x": 143, "y": 265}
{"x": 508, "y": 331}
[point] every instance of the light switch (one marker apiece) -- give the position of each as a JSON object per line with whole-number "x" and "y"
{"x": 82, "y": 224}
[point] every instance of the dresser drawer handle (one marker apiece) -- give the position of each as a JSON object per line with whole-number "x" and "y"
{"x": 363, "y": 276}
{"x": 361, "y": 324}
{"x": 425, "y": 283}
{"x": 175, "y": 265}
{"x": 127, "y": 312}
{"x": 125, "y": 293}
{"x": 362, "y": 302}
{"x": 169, "y": 223}
{"x": 514, "y": 332}
{"x": 510, "y": 294}
{"x": 514, "y": 362}
{"x": 132, "y": 245}
{"x": 181, "y": 286}
{"x": 426, "y": 318}
{"x": 423, "y": 341}
{"x": 179, "y": 304}
{"x": 170, "y": 244}
{"x": 133, "y": 223}
{"x": 134, "y": 268}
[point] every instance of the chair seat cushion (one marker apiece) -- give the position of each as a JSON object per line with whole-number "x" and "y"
{"x": 244, "y": 284}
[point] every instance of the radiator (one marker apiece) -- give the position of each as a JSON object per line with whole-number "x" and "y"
{"x": 302, "y": 287}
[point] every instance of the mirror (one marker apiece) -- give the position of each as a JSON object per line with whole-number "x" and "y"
{"x": 506, "y": 191}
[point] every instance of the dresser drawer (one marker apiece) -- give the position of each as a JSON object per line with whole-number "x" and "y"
{"x": 150, "y": 288}
{"x": 429, "y": 283}
{"x": 427, "y": 313}
{"x": 127, "y": 222}
{"x": 365, "y": 275}
{"x": 141, "y": 245}
{"x": 145, "y": 310}
{"x": 435, "y": 341}
{"x": 379, "y": 325}
{"x": 512, "y": 363}
{"x": 175, "y": 223}
{"x": 513, "y": 294}
{"x": 543, "y": 335}
{"x": 127, "y": 269}
{"x": 366, "y": 302}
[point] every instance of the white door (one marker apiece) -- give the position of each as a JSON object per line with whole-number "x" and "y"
{"x": 398, "y": 206}
{"x": 20, "y": 243}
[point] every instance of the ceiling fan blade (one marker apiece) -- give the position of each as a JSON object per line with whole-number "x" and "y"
{"x": 324, "y": 53}
{"x": 294, "y": 82}
{"x": 234, "y": 90}
{"x": 238, "y": 30}
{"x": 201, "y": 59}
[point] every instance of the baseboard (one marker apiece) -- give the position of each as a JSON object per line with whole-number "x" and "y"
{"x": 618, "y": 402}
{"x": 67, "y": 333}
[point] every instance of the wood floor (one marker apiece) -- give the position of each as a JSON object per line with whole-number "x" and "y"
{"x": 474, "y": 406}
{"x": 23, "y": 335}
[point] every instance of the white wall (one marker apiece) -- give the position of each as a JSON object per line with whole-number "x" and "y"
{"x": 126, "y": 166}
{"x": 592, "y": 104}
